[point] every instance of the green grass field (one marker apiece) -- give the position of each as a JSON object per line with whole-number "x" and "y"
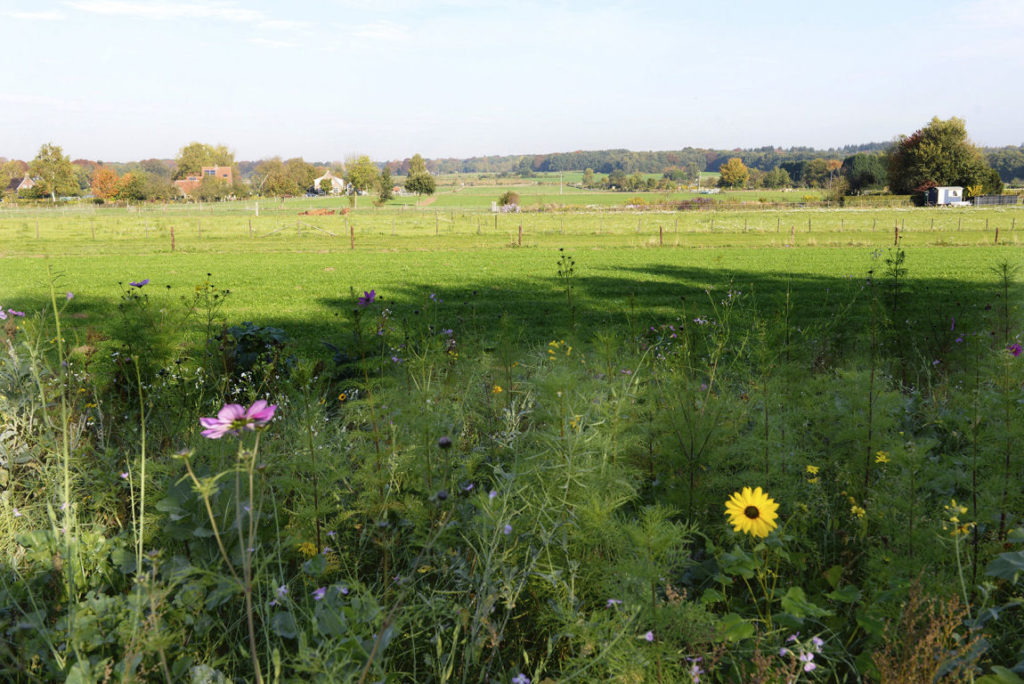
{"x": 512, "y": 462}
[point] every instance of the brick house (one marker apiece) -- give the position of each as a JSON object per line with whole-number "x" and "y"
{"x": 190, "y": 182}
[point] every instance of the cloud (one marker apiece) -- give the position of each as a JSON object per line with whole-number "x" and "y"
{"x": 222, "y": 11}
{"x": 36, "y": 16}
{"x": 381, "y": 30}
{"x": 267, "y": 42}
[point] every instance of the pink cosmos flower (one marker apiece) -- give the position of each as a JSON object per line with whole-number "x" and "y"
{"x": 234, "y": 417}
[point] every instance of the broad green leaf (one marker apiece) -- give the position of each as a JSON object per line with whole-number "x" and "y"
{"x": 848, "y": 594}
{"x": 795, "y": 603}
{"x": 1001, "y": 675}
{"x": 1008, "y": 566}
{"x": 833, "y": 575}
{"x": 315, "y": 566}
{"x": 735, "y": 628}
{"x": 283, "y": 624}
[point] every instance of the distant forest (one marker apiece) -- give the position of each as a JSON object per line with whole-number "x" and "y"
{"x": 1008, "y": 161}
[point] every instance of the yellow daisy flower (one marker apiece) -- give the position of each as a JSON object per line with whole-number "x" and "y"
{"x": 812, "y": 469}
{"x": 752, "y": 512}
{"x": 881, "y": 457}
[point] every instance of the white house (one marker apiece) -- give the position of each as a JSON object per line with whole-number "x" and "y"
{"x": 337, "y": 184}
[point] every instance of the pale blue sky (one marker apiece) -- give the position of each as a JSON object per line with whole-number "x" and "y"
{"x": 120, "y": 80}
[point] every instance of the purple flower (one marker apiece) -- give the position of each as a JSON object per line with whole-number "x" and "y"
{"x": 318, "y": 594}
{"x": 344, "y": 591}
{"x": 695, "y": 672}
{"x": 783, "y": 652}
{"x": 282, "y": 591}
{"x": 366, "y": 298}
{"x": 507, "y": 529}
{"x": 124, "y": 476}
{"x": 233, "y": 417}
{"x": 818, "y": 643}
{"x": 332, "y": 534}
{"x": 17, "y": 513}
{"x": 327, "y": 550}
{"x": 19, "y": 314}
{"x": 649, "y": 636}
{"x": 491, "y": 494}
{"x": 952, "y": 323}
{"x": 613, "y": 602}
{"x": 69, "y": 296}
{"x": 959, "y": 339}
{"x": 520, "y": 679}
{"x": 140, "y": 283}
{"x": 3, "y": 316}
{"x": 1014, "y": 349}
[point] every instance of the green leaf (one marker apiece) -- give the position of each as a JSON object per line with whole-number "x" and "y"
{"x": 1001, "y": 675}
{"x": 833, "y": 575}
{"x": 795, "y": 603}
{"x": 330, "y": 621}
{"x": 848, "y": 594}
{"x": 315, "y": 566}
{"x": 738, "y": 562}
{"x": 711, "y": 596}
{"x": 1008, "y": 566}
{"x": 283, "y": 624}
{"x": 735, "y": 628}
{"x": 872, "y": 625}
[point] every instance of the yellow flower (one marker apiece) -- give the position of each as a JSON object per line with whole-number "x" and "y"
{"x": 882, "y": 457}
{"x": 812, "y": 469}
{"x": 496, "y": 389}
{"x": 342, "y": 397}
{"x": 858, "y": 511}
{"x": 812, "y": 480}
{"x": 752, "y": 512}
{"x": 307, "y": 549}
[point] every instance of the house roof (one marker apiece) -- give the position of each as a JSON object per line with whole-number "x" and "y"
{"x": 13, "y": 185}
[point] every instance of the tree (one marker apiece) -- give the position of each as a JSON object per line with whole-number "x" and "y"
{"x": 865, "y": 172}
{"x": 421, "y": 183}
{"x": 132, "y": 186}
{"x": 10, "y": 170}
{"x": 385, "y": 186}
{"x": 417, "y": 165}
{"x": 362, "y": 174}
{"x": 588, "y": 178}
{"x": 938, "y": 155}
{"x": 301, "y": 171}
{"x": 271, "y": 179}
{"x": 104, "y": 183}
{"x": 777, "y": 178}
{"x": 193, "y": 157}
{"x": 734, "y": 174}
{"x": 54, "y": 170}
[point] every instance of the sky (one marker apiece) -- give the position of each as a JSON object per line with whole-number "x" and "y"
{"x": 123, "y": 80}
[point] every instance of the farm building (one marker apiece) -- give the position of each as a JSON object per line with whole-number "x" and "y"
{"x": 17, "y": 185}
{"x": 193, "y": 180}
{"x": 951, "y": 195}
{"x": 337, "y": 184}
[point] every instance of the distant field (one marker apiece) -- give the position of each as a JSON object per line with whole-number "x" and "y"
{"x": 298, "y": 271}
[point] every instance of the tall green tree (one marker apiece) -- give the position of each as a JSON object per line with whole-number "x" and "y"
{"x": 386, "y": 192}
{"x": 777, "y": 178}
{"x": 864, "y": 171}
{"x": 417, "y": 165}
{"x": 301, "y": 171}
{"x": 362, "y": 173}
{"x": 55, "y": 171}
{"x": 271, "y": 179}
{"x": 421, "y": 183}
{"x": 938, "y": 154}
{"x": 193, "y": 157}
{"x": 734, "y": 173}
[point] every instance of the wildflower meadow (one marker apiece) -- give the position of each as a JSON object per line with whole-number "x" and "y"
{"x": 551, "y": 464}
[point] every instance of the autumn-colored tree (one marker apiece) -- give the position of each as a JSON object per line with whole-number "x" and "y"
{"x": 104, "y": 183}
{"x": 734, "y": 173}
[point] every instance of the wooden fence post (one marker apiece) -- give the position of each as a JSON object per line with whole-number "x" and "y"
{"x": 172, "y": 238}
